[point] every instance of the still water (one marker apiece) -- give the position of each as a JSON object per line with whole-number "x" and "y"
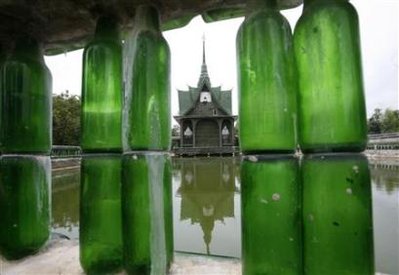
{"x": 207, "y": 208}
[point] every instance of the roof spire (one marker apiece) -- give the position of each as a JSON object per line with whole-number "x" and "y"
{"x": 203, "y": 49}
{"x": 204, "y": 77}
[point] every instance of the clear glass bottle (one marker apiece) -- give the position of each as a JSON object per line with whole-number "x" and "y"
{"x": 266, "y": 80}
{"x": 332, "y": 113}
{"x": 26, "y": 101}
{"x": 100, "y": 228}
{"x": 25, "y": 206}
{"x": 337, "y": 214}
{"x": 147, "y": 85}
{"x": 271, "y": 215}
{"x": 146, "y": 229}
{"x": 102, "y": 90}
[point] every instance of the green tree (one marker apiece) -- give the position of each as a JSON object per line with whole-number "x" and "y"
{"x": 66, "y": 119}
{"x": 175, "y": 130}
{"x": 390, "y": 121}
{"x": 383, "y": 122}
{"x": 374, "y": 122}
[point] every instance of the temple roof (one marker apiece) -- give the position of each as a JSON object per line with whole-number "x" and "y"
{"x": 189, "y": 98}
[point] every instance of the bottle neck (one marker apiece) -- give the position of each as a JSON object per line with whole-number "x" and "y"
{"x": 107, "y": 28}
{"x": 254, "y": 5}
{"x": 147, "y": 17}
{"x": 28, "y": 47}
{"x": 307, "y": 3}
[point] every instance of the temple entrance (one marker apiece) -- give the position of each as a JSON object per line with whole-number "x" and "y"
{"x": 207, "y": 133}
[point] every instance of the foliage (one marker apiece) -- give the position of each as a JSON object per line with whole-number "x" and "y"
{"x": 374, "y": 122}
{"x": 387, "y": 122}
{"x": 66, "y": 119}
{"x": 176, "y": 130}
{"x": 390, "y": 122}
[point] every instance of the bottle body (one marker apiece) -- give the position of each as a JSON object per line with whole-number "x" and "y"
{"x": 267, "y": 83}
{"x": 145, "y": 227}
{"x": 338, "y": 235}
{"x": 102, "y": 92}
{"x": 147, "y": 98}
{"x": 100, "y": 227}
{"x": 332, "y": 114}
{"x": 25, "y": 204}
{"x": 26, "y": 104}
{"x": 271, "y": 225}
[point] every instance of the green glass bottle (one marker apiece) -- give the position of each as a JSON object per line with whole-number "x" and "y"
{"x": 25, "y": 90}
{"x": 147, "y": 99}
{"x": 102, "y": 90}
{"x": 266, "y": 81}
{"x": 338, "y": 236}
{"x": 271, "y": 215}
{"x": 218, "y": 14}
{"x": 332, "y": 113}
{"x": 25, "y": 206}
{"x": 177, "y": 22}
{"x": 100, "y": 214}
{"x": 146, "y": 230}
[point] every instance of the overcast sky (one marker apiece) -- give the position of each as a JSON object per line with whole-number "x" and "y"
{"x": 379, "y": 35}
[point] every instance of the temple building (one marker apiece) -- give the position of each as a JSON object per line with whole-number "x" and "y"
{"x": 205, "y": 119}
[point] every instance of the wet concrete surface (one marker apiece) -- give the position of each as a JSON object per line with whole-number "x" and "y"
{"x": 61, "y": 257}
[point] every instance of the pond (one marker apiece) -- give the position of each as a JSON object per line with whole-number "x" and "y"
{"x": 207, "y": 206}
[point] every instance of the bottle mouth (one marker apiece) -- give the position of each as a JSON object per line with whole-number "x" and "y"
{"x": 147, "y": 16}
{"x": 107, "y": 26}
{"x": 28, "y": 46}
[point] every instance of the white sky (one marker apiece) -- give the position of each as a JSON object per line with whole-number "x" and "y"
{"x": 379, "y": 34}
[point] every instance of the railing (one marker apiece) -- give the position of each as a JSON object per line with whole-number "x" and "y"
{"x": 383, "y": 136}
{"x": 65, "y": 151}
{"x": 191, "y": 151}
{"x": 386, "y": 141}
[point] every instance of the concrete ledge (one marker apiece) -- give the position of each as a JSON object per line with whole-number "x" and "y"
{"x": 61, "y": 257}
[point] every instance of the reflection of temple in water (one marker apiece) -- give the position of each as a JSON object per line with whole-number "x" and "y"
{"x": 207, "y": 192}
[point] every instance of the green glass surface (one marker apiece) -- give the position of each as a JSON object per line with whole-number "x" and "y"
{"x": 266, "y": 81}
{"x": 147, "y": 101}
{"x": 25, "y": 100}
{"x": 100, "y": 214}
{"x": 218, "y": 14}
{"x": 145, "y": 227}
{"x": 271, "y": 215}
{"x": 331, "y": 112}
{"x": 24, "y": 205}
{"x": 102, "y": 90}
{"x": 177, "y": 22}
{"x": 338, "y": 237}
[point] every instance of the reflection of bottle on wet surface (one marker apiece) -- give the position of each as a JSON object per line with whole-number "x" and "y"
{"x": 337, "y": 217}
{"x": 25, "y": 205}
{"x": 100, "y": 213}
{"x": 147, "y": 228}
{"x": 271, "y": 224}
